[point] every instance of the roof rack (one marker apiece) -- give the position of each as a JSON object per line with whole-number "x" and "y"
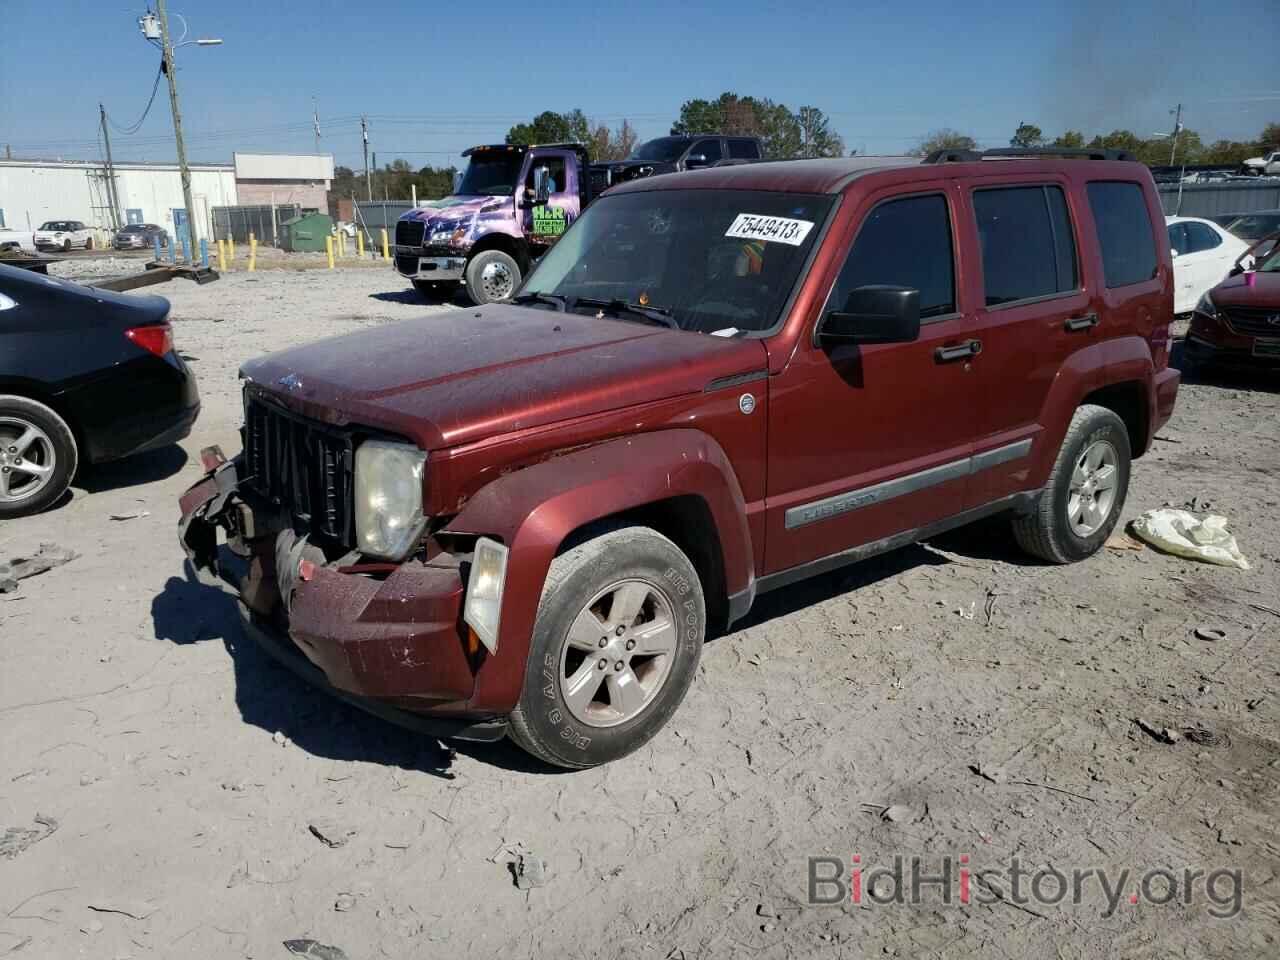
{"x": 1013, "y": 153}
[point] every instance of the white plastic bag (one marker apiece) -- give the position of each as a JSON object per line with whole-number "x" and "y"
{"x": 1179, "y": 532}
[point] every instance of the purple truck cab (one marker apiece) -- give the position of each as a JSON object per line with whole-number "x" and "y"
{"x": 497, "y": 223}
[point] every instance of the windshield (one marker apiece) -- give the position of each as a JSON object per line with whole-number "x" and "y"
{"x": 714, "y": 261}
{"x": 133, "y": 228}
{"x": 491, "y": 174}
{"x": 663, "y": 149}
{"x": 55, "y": 225}
{"x": 1255, "y": 226}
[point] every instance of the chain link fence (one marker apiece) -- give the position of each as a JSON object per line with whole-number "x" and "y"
{"x": 263, "y": 221}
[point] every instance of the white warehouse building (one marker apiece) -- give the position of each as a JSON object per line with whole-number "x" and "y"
{"x": 33, "y": 191}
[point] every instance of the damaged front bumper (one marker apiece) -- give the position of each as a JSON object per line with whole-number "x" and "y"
{"x": 387, "y": 638}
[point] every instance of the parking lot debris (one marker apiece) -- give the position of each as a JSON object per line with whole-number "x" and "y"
{"x": 1185, "y": 535}
{"x": 344, "y": 902}
{"x": 331, "y": 834}
{"x": 312, "y": 948}
{"x": 131, "y": 515}
{"x": 1122, "y": 541}
{"x": 897, "y": 813}
{"x": 529, "y": 871}
{"x": 994, "y": 774}
{"x": 1211, "y": 634}
{"x": 16, "y": 839}
{"x": 49, "y": 555}
{"x": 133, "y": 909}
{"x": 1163, "y": 734}
{"x": 280, "y": 739}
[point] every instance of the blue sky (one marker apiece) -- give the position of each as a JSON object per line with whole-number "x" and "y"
{"x": 435, "y": 78}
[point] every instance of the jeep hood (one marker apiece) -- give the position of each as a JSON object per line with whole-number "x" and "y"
{"x": 1259, "y": 289}
{"x": 466, "y": 375}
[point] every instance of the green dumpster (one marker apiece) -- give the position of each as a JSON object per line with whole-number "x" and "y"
{"x": 305, "y": 234}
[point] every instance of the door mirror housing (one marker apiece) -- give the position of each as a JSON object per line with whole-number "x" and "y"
{"x": 876, "y": 313}
{"x": 457, "y": 180}
{"x": 541, "y": 185}
{"x": 1173, "y": 252}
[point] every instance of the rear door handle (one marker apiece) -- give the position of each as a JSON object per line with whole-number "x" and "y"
{"x": 1087, "y": 322}
{"x": 961, "y": 351}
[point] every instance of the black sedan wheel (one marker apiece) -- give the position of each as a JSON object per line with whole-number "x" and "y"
{"x": 37, "y": 456}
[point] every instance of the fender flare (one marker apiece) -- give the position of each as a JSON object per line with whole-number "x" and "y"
{"x": 534, "y": 509}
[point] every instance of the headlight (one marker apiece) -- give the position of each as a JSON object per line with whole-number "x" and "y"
{"x": 1207, "y": 306}
{"x": 483, "y": 608}
{"x": 388, "y": 498}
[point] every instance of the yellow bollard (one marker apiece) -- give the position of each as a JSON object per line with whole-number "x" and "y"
{"x": 231, "y": 248}
{"x": 360, "y": 243}
{"x": 328, "y": 248}
{"x": 342, "y": 244}
{"x": 386, "y": 248}
{"x": 253, "y": 253}
{"x": 222, "y": 256}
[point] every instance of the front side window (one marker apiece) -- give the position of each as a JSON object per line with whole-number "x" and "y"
{"x": 663, "y": 149}
{"x": 712, "y": 261}
{"x": 710, "y": 149}
{"x": 904, "y": 243}
{"x": 1028, "y": 250}
{"x": 1124, "y": 232}
{"x": 1178, "y": 238}
{"x": 555, "y": 167}
{"x": 1201, "y": 237}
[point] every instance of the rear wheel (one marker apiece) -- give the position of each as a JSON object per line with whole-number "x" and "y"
{"x": 37, "y": 456}
{"x": 492, "y": 275}
{"x": 1082, "y": 502}
{"x": 615, "y": 646}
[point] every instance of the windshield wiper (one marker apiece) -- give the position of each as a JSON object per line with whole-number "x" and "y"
{"x": 554, "y": 299}
{"x": 659, "y": 316}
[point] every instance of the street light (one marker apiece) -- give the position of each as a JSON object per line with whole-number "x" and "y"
{"x": 155, "y": 29}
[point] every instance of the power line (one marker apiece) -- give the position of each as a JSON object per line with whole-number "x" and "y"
{"x": 134, "y": 128}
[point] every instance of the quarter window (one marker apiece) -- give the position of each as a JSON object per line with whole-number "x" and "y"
{"x": 743, "y": 150}
{"x": 905, "y": 243}
{"x": 1124, "y": 232}
{"x": 1028, "y": 249}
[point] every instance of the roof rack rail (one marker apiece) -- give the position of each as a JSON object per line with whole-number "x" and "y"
{"x": 1008, "y": 153}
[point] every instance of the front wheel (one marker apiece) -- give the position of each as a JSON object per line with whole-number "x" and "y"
{"x": 492, "y": 275}
{"x": 1081, "y": 503}
{"x": 617, "y": 640}
{"x": 66, "y": 246}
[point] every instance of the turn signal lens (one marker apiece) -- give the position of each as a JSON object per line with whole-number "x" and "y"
{"x": 157, "y": 339}
{"x": 483, "y": 607}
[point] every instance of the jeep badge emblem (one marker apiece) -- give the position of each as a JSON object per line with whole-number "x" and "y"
{"x": 291, "y": 382}
{"x": 746, "y": 403}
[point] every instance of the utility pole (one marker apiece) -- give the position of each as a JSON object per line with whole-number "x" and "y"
{"x": 112, "y": 198}
{"x": 368, "y": 174}
{"x": 1177, "y": 129}
{"x": 183, "y": 170}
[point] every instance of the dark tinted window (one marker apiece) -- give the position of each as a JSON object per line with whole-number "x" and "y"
{"x": 907, "y": 243}
{"x": 555, "y": 167}
{"x": 1178, "y": 238}
{"x": 1201, "y": 237}
{"x": 709, "y": 149}
{"x": 1027, "y": 246}
{"x": 744, "y": 150}
{"x": 1124, "y": 232}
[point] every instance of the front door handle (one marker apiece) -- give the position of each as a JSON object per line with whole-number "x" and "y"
{"x": 961, "y": 351}
{"x": 1087, "y": 322}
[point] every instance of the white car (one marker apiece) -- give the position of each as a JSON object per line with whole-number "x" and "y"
{"x": 64, "y": 235}
{"x": 1268, "y": 163}
{"x": 1203, "y": 255}
{"x": 24, "y": 240}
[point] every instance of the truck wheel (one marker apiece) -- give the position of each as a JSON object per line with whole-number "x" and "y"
{"x": 616, "y": 643}
{"x": 436, "y": 292}
{"x": 37, "y": 456}
{"x": 1081, "y": 503}
{"x": 492, "y": 275}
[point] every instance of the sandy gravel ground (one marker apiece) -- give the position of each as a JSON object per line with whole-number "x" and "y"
{"x": 949, "y": 699}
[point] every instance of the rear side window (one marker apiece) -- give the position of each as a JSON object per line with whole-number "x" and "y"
{"x": 744, "y": 150}
{"x": 906, "y": 243}
{"x": 1201, "y": 237}
{"x": 1028, "y": 250}
{"x": 1124, "y": 232}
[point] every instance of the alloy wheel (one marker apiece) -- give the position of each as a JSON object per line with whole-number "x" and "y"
{"x": 496, "y": 281}
{"x": 1092, "y": 493}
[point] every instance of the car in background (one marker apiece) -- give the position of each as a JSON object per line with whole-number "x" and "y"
{"x": 63, "y": 235}
{"x": 1222, "y": 219}
{"x": 23, "y": 240}
{"x": 1252, "y": 227}
{"x": 1203, "y": 254}
{"x": 139, "y": 236}
{"x": 1238, "y": 321}
{"x": 1267, "y": 164}
{"x": 86, "y": 375}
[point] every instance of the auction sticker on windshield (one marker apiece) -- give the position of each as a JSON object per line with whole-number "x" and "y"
{"x": 754, "y": 226}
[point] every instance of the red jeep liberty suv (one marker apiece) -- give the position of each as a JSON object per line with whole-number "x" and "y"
{"x": 525, "y": 518}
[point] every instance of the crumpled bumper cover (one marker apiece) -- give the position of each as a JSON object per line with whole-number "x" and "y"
{"x": 390, "y": 641}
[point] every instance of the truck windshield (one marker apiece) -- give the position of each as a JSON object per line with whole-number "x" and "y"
{"x": 491, "y": 174}
{"x": 664, "y": 149}
{"x": 713, "y": 261}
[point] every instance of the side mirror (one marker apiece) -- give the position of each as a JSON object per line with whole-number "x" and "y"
{"x": 541, "y": 185}
{"x": 695, "y": 160}
{"x": 457, "y": 180}
{"x": 876, "y": 313}
{"x": 1173, "y": 251}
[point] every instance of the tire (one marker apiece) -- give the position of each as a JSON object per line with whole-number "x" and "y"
{"x": 436, "y": 292}
{"x": 88, "y": 244}
{"x": 585, "y": 581}
{"x": 1062, "y": 528}
{"x": 66, "y": 245}
{"x": 492, "y": 275}
{"x": 53, "y": 446}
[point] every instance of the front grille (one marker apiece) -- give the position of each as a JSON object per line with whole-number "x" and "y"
{"x": 407, "y": 264}
{"x": 409, "y": 233}
{"x": 301, "y": 465}
{"x": 1254, "y": 321}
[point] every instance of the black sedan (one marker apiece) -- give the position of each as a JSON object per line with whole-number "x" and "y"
{"x": 86, "y": 375}
{"x": 139, "y": 236}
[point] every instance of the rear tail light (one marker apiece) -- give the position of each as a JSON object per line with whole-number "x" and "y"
{"x": 157, "y": 339}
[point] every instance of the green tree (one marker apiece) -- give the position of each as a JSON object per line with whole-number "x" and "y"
{"x": 1068, "y": 140}
{"x": 606, "y": 144}
{"x": 945, "y": 139}
{"x": 785, "y": 134}
{"x": 552, "y": 127}
{"x": 1027, "y": 135}
{"x": 1270, "y": 136}
{"x": 817, "y": 139}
